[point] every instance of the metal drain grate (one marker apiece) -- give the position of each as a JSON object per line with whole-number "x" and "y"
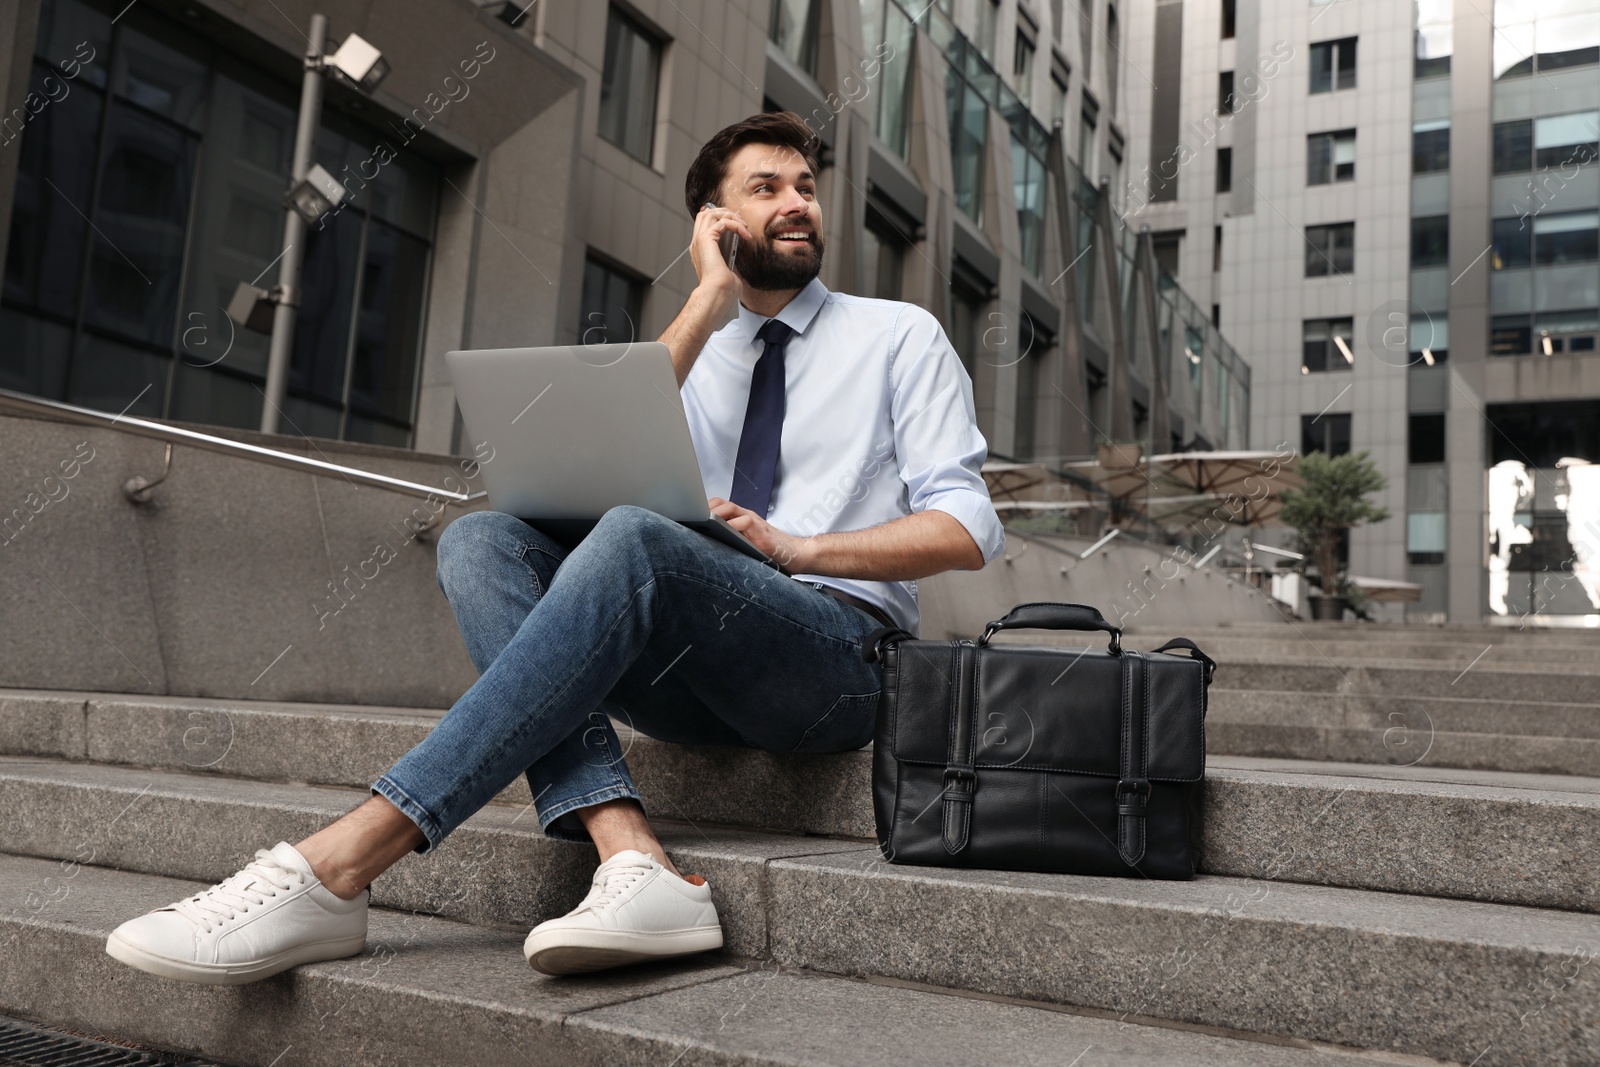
{"x": 25, "y": 1045}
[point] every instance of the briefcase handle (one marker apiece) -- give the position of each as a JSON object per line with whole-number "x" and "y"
{"x": 1047, "y": 615}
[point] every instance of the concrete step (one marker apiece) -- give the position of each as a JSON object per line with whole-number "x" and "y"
{"x": 1400, "y": 648}
{"x": 1380, "y": 633}
{"x": 429, "y": 991}
{"x": 1494, "y": 735}
{"x": 1343, "y": 966}
{"x": 1509, "y": 838}
{"x": 1577, "y": 682}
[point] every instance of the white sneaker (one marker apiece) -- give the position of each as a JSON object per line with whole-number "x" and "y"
{"x": 268, "y": 917}
{"x": 636, "y": 910}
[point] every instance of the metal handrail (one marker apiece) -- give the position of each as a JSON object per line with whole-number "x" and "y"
{"x": 256, "y": 453}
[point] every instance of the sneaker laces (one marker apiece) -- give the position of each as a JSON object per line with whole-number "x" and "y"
{"x": 617, "y": 879}
{"x": 239, "y": 891}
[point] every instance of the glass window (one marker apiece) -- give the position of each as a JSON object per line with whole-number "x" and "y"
{"x": 969, "y": 126}
{"x": 1058, "y": 100}
{"x": 184, "y": 191}
{"x": 1513, "y": 146}
{"x": 1562, "y": 139}
{"x": 1229, "y": 12}
{"x": 1430, "y": 241}
{"x": 628, "y": 87}
{"x": 1330, "y": 250}
{"x": 1570, "y": 39}
{"x": 966, "y": 308}
{"x": 793, "y": 28}
{"x": 1512, "y": 245}
{"x": 1428, "y": 339}
{"x": 1326, "y": 345}
{"x": 1430, "y": 147}
{"x": 1022, "y": 67}
{"x": 1056, "y": 16}
{"x": 1086, "y": 36}
{"x": 613, "y": 305}
{"x": 1425, "y": 536}
{"x": 1028, "y": 186}
{"x": 1565, "y": 237}
{"x": 1333, "y": 65}
{"x": 1194, "y": 346}
{"x": 1327, "y": 433}
{"x": 1225, "y": 98}
{"x": 885, "y": 249}
{"x": 1434, "y": 44}
{"x": 988, "y": 21}
{"x": 1565, "y": 331}
{"x": 1113, "y": 53}
{"x": 1032, "y": 343}
{"x": 1510, "y": 335}
{"x": 890, "y": 33}
{"x": 1224, "y": 170}
{"x": 1513, "y": 42}
{"x": 1425, "y": 438}
{"x": 1331, "y": 157}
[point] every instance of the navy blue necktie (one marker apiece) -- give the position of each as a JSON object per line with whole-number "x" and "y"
{"x": 757, "y": 462}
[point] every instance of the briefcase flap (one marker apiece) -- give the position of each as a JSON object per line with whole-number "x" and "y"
{"x": 1051, "y": 709}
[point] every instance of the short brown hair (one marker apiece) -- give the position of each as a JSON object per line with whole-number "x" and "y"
{"x": 710, "y": 167}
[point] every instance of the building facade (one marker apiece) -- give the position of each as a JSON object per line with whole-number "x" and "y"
{"x": 518, "y": 180}
{"x": 1391, "y": 208}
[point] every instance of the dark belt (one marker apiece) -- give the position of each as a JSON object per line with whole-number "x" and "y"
{"x": 856, "y": 602}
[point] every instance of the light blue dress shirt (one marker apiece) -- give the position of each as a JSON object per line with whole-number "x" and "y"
{"x": 879, "y": 423}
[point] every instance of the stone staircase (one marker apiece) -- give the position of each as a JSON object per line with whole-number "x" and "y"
{"x": 1358, "y": 911}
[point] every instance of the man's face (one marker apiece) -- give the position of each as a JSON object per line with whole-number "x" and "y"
{"x": 775, "y": 192}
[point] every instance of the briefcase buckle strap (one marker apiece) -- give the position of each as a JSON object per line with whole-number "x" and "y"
{"x": 959, "y": 792}
{"x": 957, "y": 797}
{"x": 1133, "y": 786}
{"x": 1132, "y": 794}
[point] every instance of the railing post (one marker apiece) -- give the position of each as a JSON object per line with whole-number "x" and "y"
{"x": 294, "y": 232}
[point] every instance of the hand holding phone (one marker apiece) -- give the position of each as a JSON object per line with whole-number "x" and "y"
{"x": 728, "y": 242}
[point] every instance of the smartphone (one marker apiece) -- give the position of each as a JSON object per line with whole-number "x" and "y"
{"x": 729, "y": 242}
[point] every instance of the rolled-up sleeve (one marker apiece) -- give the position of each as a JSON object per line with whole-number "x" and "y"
{"x": 938, "y": 446}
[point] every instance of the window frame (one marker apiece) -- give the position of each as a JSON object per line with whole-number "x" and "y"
{"x": 1325, "y": 243}
{"x": 1330, "y": 174}
{"x": 1340, "y": 75}
{"x": 1331, "y": 358}
{"x": 1430, "y": 147}
{"x": 623, "y": 20}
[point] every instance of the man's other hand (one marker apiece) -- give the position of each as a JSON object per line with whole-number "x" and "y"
{"x": 790, "y": 552}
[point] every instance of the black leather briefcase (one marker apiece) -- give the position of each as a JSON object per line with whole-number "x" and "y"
{"x": 1040, "y": 758}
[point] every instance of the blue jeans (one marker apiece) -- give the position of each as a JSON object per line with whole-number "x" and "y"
{"x": 679, "y": 636}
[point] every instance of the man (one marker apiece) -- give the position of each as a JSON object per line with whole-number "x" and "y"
{"x": 842, "y": 432}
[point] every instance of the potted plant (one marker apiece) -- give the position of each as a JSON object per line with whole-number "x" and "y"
{"x": 1332, "y": 498}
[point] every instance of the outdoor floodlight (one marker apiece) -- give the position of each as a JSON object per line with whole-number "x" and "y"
{"x": 318, "y": 194}
{"x": 252, "y": 308}
{"x": 361, "y": 63}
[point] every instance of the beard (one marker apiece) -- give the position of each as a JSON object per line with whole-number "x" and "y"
{"x": 763, "y": 265}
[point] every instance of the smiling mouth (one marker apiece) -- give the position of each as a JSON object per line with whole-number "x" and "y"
{"x": 792, "y": 237}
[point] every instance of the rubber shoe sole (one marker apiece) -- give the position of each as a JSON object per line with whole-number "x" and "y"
{"x": 579, "y": 951}
{"x": 232, "y": 973}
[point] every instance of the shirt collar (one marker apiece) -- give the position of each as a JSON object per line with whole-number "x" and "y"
{"x": 797, "y": 314}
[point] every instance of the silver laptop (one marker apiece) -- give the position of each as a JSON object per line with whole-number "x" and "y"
{"x": 579, "y": 429}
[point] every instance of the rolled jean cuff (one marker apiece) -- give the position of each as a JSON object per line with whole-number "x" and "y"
{"x": 618, "y": 791}
{"x": 386, "y": 788}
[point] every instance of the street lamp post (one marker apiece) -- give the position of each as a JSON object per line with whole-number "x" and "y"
{"x": 294, "y": 231}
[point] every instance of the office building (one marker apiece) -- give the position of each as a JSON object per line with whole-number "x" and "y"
{"x": 517, "y": 180}
{"x": 1392, "y": 210}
